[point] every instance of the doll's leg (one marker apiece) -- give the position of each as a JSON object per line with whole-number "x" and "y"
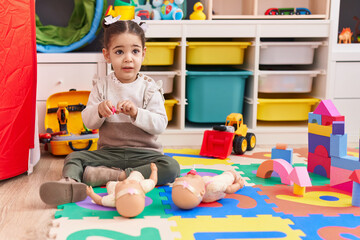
{"x": 140, "y": 159}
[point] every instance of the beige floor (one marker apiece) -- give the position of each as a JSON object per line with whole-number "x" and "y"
{"x": 23, "y": 215}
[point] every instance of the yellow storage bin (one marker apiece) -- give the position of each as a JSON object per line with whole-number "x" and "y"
{"x": 286, "y": 109}
{"x": 216, "y": 53}
{"x": 159, "y": 53}
{"x": 169, "y": 105}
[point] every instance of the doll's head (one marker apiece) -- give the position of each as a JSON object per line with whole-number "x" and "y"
{"x": 130, "y": 198}
{"x": 188, "y": 191}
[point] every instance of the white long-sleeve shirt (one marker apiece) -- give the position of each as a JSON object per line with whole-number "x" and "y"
{"x": 120, "y": 130}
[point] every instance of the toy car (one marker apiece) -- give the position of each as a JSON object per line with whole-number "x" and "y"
{"x": 143, "y": 14}
{"x": 302, "y": 11}
{"x": 286, "y": 11}
{"x": 272, "y": 11}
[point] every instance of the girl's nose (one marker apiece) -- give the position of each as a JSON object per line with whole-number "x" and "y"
{"x": 128, "y": 58}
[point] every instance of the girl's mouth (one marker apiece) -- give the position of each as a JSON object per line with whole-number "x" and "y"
{"x": 127, "y": 69}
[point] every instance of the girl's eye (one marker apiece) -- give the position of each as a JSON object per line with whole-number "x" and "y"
{"x": 118, "y": 52}
{"x": 135, "y": 51}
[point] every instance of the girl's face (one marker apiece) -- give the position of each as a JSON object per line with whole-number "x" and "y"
{"x": 126, "y": 55}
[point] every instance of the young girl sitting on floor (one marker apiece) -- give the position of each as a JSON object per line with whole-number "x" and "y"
{"x": 128, "y": 109}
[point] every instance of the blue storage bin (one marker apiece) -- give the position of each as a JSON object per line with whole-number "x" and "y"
{"x": 214, "y": 94}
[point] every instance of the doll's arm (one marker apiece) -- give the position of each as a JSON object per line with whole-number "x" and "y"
{"x": 96, "y": 198}
{"x": 154, "y": 173}
{"x": 238, "y": 184}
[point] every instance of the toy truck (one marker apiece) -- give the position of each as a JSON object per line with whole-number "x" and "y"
{"x": 243, "y": 140}
{"x": 223, "y": 139}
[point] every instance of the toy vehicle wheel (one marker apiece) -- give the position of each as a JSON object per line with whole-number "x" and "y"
{"x": 251, "y": 141}
{"x": 239, "y": 145}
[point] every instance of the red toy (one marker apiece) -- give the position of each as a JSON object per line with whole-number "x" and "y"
{"x": 217, "y": 144}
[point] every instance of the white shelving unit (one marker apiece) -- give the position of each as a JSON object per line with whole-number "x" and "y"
{"x": 344, "y": 65}
{"x": 255, "y": 9}
{"x": 77, "y": 69}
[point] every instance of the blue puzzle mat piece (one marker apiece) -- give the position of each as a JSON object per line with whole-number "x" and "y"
{"x": 229, "y": 206}
{"x": 314, "y": 222}
{"x": 87, "y": 208}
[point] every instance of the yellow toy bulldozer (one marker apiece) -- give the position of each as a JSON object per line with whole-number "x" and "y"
{"x": 243, "y": 140}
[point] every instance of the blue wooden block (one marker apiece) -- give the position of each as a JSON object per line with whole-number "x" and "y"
{"x": 315, "y": 140}
{"x": 286, "y": 154}
{"x": 338, "y": 145}
{"x": 356, "y": 194}
{"x": 338, "y": 127}
{"x": 314, "y": 118}
{"x": 346, "y": 162}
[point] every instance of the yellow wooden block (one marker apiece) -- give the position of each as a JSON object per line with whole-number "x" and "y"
{"x": 298, "y": 190}
{"x": 322, "y": 130}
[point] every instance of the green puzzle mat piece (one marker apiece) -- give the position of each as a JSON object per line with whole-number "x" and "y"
{"x": 146, "y": 233}
{"x": 75, "y": 211}
{"x": 250, "y": 172}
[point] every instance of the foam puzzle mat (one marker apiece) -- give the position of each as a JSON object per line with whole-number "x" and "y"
{"x": 263, "y": 209}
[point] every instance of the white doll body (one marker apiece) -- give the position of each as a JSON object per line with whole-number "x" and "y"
{"x": 218, "y": 186}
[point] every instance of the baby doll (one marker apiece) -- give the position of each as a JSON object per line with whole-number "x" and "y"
{"x": 189, "y": 191}
{"x": 128, "y": 196}
{"x": 218, "y": 186}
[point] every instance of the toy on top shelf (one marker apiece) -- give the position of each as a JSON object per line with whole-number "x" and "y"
{"x": 345, "y": 36}
{"x": 302, "y": 11}
{"x": 272, "y": 11}
{"x": 143, "y": 9}
{"x": 287, "y": 11}
{"x": 128, "y": 196}
{"x": 233, "y": 135}
{"x": 357, "y": 30}
{"x": 198, "y": 13}
{"x": 125, "y": 9}
{"x": 167, "y": 10}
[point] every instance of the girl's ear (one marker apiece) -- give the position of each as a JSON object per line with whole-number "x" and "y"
{"x": 106, "y": 55}
{"x": 143, "y": 54}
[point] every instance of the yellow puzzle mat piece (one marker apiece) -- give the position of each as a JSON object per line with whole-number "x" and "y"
{"x": 235, "y": 224}
{"x": 314, "y": 198}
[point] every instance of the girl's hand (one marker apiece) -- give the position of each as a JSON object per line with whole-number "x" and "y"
{"x": 105, "y": 109}
{"x": 127, "y": 107}
{"x": 153, "y": 167}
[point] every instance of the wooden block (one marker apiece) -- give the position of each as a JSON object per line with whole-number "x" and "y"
{"x": 319, "y": 129}
{"x": 338, "y": 145}
{"x": 282, "y": 146}
{"x": 314, "y": 118}
{"x": 327, "y": 108}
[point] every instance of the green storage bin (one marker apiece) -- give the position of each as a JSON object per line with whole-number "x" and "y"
{"x": 214, "y": 94}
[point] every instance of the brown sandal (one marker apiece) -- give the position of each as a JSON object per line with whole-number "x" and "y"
{"x": 61, "y": 192}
